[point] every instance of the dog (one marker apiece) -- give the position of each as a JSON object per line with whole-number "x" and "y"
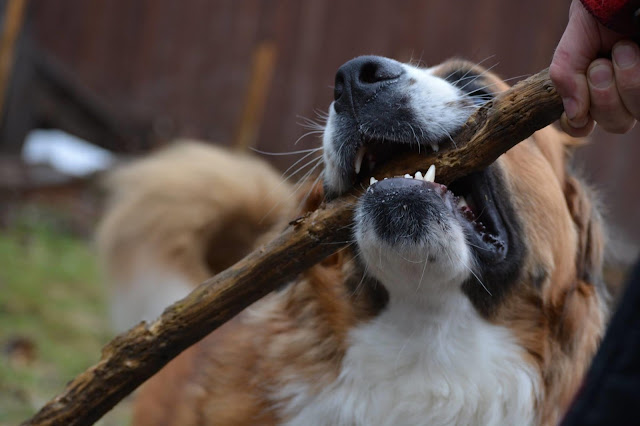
{"x": 476, "y": 303}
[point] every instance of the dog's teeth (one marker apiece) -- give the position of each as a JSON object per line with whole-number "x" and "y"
{"x": 430, "y": 176}
{"x": 372, "y": 180}
{"x": 434, "y": 146}
{"x": 418, "y": 175}
{"x": 408, "y": 176}
{"x": 359, "y": 158}
{"x": 462, "y": 203}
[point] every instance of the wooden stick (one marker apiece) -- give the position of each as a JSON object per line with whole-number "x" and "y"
{"x": 136, "y": 355}
{"x": 13, "y": 20}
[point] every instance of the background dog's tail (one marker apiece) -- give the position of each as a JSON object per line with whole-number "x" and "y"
{"x": 179, "y": 216}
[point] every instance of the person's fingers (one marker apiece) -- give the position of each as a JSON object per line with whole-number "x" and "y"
{"x": 607, "y": 108}
{"x": 577, "y": 132}
{"x": 626, "y": 65}
{"x": 571, "y": 85}
{"x": 579, "y": 44}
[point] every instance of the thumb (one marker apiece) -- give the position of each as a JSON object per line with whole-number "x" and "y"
{"x": 578, "y": 46}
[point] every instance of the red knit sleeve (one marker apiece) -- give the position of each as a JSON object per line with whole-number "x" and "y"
{"x": 622, "y": 16}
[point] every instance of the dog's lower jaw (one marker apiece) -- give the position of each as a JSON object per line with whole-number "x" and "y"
{"x": 421, "y": 267}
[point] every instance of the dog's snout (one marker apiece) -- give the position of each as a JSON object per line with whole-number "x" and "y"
{"x": 360, "y": 78}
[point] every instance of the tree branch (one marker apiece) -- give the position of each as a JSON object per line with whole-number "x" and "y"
{"x": 136, "y": 355}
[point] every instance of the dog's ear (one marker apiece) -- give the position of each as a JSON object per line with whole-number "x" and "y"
{"x": 588, "y": 223}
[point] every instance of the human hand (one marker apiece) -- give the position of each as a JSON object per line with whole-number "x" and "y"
{"x": 593, "y": 88}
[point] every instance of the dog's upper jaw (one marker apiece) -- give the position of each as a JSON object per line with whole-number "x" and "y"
{"x": 414, "y": 111}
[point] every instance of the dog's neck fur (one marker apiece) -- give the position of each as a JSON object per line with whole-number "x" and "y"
{"x": 433, "y": 366}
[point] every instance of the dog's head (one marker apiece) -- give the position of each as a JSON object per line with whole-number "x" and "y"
{"x": 520, "y": 239}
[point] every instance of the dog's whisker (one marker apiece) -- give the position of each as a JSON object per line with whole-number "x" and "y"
{"x": 470, "y": 69}
{"x": 289, "y": 175}
{"x": 483, "y": 73}
{"x": 476, "y": 276}
{"x": 310, "y": 124}
{"x": 446, "y": 132}
{"x": 478, "y": 247}
{"x": 496, "y": 83}
{"x": 309, "y": 191}
{"x": 321, "y": 114}
{"x": 338, "y": 242}
{"x": 364, "y": 274}
{"x": 424, "y": 268}
{"x": 301, "y": 151}
{"x": 285, "y": 179}
{"x": 312, "y": 132}
{"x": 308, "y": 173}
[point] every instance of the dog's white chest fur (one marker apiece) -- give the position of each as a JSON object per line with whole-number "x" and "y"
{"x": 409, "y": 368}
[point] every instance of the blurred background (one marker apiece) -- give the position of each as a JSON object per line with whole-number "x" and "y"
{"x": 85, "y": 85}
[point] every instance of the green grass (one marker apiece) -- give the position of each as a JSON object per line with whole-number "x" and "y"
{"x": 50, "y": 297}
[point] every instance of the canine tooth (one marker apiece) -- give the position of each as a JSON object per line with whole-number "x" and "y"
{"x": 462, "y": 203}
{"x": 408, "y": 176}
{"x": 372, "y": 180}
{"x": 434, "y": 146}
{"x": 418, "y": 175}
{"x": 359, "y": 158}
{"x": 430, "y": 176}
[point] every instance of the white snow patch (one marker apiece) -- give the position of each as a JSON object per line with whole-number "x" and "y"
{"x": 66, "y": 153}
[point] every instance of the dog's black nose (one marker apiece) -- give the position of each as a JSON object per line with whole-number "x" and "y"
{"x": 360, "y": 78}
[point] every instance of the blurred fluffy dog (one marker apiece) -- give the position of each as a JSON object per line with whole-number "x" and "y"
{"x": 480, "y": 303}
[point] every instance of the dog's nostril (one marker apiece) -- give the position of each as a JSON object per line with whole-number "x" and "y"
{"x": 358, "y": 79}
{"x": 371, "y": 72}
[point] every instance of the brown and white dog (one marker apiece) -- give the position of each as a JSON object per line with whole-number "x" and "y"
{"x": 476, "y": 304}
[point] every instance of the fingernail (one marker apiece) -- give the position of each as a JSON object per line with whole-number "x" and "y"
{"x": 571, "y": 112}
{"x": 625, "y": 55}
{"x": 570, "y": 107}
{"x": 600, "y": 76}
{"x": 578, "y": 124}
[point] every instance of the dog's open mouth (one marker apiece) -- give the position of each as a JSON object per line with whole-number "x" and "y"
{"x": 471, "y": 199}
{"x": 467, "y": 228}
{"x": 397, "y": 110}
